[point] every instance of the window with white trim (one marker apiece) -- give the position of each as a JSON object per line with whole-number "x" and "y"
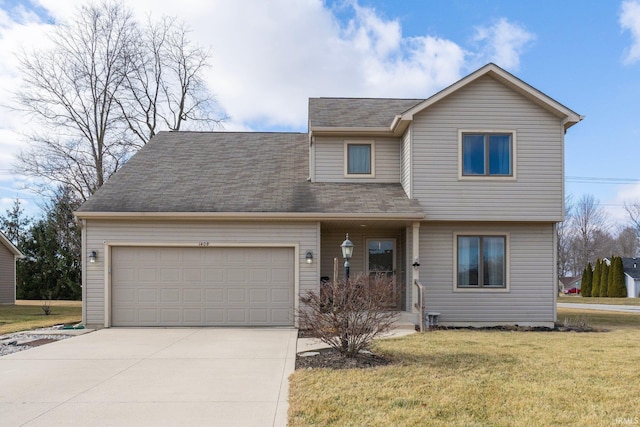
{"x": 359, "y": 159}
{"x": 487, "y": 154}
{"x": 481, "y": 261}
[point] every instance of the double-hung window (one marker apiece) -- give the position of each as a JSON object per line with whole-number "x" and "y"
{"x": 487, "y": 154}
{"x": 481, "y": 261}
{"x": 359, "y": 159}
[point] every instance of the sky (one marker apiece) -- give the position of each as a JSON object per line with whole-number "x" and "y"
{"x": 269, "y": 57}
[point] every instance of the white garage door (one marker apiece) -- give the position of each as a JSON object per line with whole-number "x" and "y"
{"x": 202, "y": 286}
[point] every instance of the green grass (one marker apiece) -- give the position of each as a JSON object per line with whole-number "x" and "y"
{"x": 27, "y": 315}
{"x": 479, "y": 378}
{"x": 598, "y": 300}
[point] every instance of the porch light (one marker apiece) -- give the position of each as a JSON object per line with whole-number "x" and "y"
{"x": 93, "y": 255}
{"x": 309, "y": 257}
{"x": 347, "y": 252}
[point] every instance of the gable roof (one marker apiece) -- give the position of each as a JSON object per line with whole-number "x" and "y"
{"x": 254, "y": 174}
{"x": 569, "y": 280}
{"x": 392, "y": 116}
{"x": 631, "y": 267}
{"x": 4, "y": 240}
{"x": 364, "y": 112}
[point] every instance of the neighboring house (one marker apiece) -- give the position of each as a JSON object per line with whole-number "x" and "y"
{"x": 9, "y": 254}
{"x": 460, "y": 192}
{"x": 632, "y": 276}
{"x": 570, "y": 282}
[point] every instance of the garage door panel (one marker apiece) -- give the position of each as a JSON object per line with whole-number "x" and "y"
{"x": 259, "y": 275}
{"x": 192, "y": 295}
{"x": 147, "y": 295}
{"x": 202, "y": 286}
{"x": 214, "y": 295}
{"x": 258, "y": 296}
{"x": 214, "y": 316}
{"x": 170, "y": 296}
{"x": 236, "y": 296}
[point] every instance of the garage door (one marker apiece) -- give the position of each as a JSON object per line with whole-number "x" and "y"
{"x": 202, "y": 286}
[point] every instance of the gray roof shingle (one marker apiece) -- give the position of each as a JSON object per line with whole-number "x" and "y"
{"x": 364, "y": 112}
{"x": 631, "y": 266}
{"x": 236, "y": 172}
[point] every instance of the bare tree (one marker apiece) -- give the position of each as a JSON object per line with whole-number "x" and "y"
{"x": 633, "y": 210}
{"x": 563, "y": 233}
{"x": 70, "y": 90}
{"x": 590, "y": 231}
{"x": 627, "y": 242}
{"x": 96, "y": 98}
{"x": 166, "y": 88}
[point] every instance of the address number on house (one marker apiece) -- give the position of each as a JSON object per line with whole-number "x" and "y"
{"x": 203, "y": 243}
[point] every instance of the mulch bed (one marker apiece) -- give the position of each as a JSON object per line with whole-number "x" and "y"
{"x": 332, "y": 359}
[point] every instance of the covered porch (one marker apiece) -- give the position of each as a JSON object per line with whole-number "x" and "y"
{"x": 389, "y": 247}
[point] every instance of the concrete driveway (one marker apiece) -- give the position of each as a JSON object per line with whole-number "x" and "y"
{"x": 158, "y": 377}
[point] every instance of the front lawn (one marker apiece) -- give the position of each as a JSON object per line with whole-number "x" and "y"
{"x": 474, "y": 378}
{"x": 26, "y": 315}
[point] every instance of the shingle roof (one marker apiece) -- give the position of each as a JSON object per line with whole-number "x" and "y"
{"x": 363, "y": 112}
{"x": 631, "y": 267}
{"x": 236, "y": 172}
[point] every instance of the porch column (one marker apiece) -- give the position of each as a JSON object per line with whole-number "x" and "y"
{"x": 416, "y": 258}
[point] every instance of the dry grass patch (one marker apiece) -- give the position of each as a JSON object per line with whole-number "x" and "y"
{"x": 600, "y": 319}
{"x": 469, "y": 378}
{"x": 27, "y": 315}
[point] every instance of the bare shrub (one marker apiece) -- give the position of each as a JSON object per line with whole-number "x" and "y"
{"x": 347, "y": 315}
{"x": 46, "y": 303}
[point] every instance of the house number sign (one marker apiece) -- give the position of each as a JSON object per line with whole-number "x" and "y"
{"x": 203, "y": 244}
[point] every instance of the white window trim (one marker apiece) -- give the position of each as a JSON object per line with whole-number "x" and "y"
{"x": 507, "y": 260}
{"x": 514, "y": 156}
{"x": 373, "y": 159}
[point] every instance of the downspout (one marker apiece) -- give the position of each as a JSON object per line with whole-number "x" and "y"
{"x": 418, "y": 295}
{"x": 555, "y": 272}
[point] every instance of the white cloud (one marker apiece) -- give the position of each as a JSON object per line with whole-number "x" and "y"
{"x": 503, "y": 43}
{"x": 268, "y": 58}
{"x": 630, "y": 20}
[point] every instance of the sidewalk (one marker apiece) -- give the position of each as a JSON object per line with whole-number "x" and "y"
{"x": 602, "y": 307}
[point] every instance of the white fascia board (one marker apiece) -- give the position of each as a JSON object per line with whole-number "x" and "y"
{"x": 15, "y": 251}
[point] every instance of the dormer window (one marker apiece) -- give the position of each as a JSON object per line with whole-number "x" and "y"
{"x": 359, "y": 159}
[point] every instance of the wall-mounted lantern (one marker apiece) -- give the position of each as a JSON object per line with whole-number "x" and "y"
{"x": 93, "y": 255}
{"x": 309, "y": 257}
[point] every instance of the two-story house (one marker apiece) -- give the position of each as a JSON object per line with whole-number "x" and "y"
{"x": 458, "y": 195}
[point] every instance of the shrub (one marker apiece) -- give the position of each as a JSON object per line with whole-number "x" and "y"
{"x": 348, "y": 314}
{"x": 604, "y": 279}
{"x": 617, "y": 286}
{"x": 595, "y": 285}
{"x": 587, "y": 280}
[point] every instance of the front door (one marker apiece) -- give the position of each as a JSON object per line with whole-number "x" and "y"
{"x": 381, "y": 256}
{"x": 381, "y": 259}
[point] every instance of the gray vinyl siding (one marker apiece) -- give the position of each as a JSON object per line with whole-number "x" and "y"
{"x": 329, "y": 160}
{"x": 532, "y": 275}
{"x": 536, "y": 195}
{"x": 405, "y": 163}
{"x": 191, "y": 233}
{"x": 7, "y": 276}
